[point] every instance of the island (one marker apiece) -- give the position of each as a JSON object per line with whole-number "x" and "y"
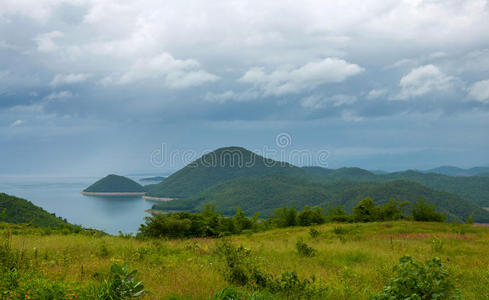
{"x": 114, "y": 185}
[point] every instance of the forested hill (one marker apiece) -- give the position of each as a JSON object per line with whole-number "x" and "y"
{"x": 220, "y": 165}
{"x": 269, "y": 192}
{"x": 472, "y": 188}
{"x": 115, "y": 184}
{"x": 18, "y": 210}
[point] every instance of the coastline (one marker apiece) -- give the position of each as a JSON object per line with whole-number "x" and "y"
{"x": 113, "y": 194}
{"x": 164, "y": 199}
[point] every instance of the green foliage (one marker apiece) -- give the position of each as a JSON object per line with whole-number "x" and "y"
{"x": 366, "y": 211}
{"x": 115, "y": 184}
{"x": 265, "y": 194}
{"x": 338, "y": 214}
{"x": 218, "y": 166}
{"x": 240, "y": 269}
{"x": 17, "y": 210}
{"x": 305, "y": 250}
{"x": 426, "y": 212}
{"x": 311, "y": 216}
{"x": 206, "y": 223}
{"x": 314, "y": 233}
{"x": 121, "y": 284}
{"x": 436, "y": 244}
{"x": 419, "y": 281}
{"x": 284, "y": 217}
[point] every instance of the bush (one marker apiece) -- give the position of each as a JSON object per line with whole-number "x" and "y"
{"x": 426, "y": 212}
{"x": 311, "y": 216}
{"x": 284, "y": 217}
{"x": 314, "y": 233}
{"x": 304, "y": 250}
{"x": 366, "y": 211}
{"x": 415, "y": 281}
{"x": 241, "y": 270}
{"x": 121, "y": 284}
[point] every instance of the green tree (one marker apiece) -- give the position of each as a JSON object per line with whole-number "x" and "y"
{"x": 366, "y": 211}
{"x": 423, "y": 211}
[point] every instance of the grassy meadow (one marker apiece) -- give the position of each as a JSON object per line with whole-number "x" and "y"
{"x": 353, "y": 261}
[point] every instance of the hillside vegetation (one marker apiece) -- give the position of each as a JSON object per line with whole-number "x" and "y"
{"x": 18, "y": 210}
{"x": 347, "y": 261}
{"x": 472, "y": 188}
{"x": 220, "y": 165}
{"x": 115, "y": 184}
{"x": 265, "y": 194}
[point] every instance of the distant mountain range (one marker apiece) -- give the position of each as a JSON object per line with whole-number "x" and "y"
{"x": 454, "y": 171}
{"x": 234, "y": 176}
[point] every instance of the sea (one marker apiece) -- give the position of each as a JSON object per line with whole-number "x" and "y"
{"x": 61, "y": 195}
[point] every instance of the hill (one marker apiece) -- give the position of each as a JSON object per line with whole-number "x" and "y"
{"x": 472, "y": 188}
{"x": 269, "y": 192}
{"x": 18, "y": 210}
{"x": 115, "y": 184}
{"x": 220, "y": 165}
{"x": 455, "y": 171}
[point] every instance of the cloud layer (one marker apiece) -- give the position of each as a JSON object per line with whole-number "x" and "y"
{"x": 84, "y": 66}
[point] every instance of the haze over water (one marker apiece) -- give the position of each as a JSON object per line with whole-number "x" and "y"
{"x": 61, "y": 195}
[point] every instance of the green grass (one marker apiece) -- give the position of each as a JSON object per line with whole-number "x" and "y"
{"x": 354, "y": 261}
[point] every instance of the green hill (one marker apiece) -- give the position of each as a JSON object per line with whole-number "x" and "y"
{"x": 18, "y": 210}
{"x": 220, "y": 165}
{"x": 269, "y": 192}
{"x": 472, "y": 188}
{"x": 115, "y": 184}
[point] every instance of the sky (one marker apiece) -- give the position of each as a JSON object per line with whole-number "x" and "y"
{"x": 90, "y": 87}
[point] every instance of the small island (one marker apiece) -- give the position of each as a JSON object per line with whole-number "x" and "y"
{"x": 114, "y": 185}
{"x": 156, "y": 178}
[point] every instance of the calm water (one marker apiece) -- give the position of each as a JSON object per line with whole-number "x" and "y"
{"x": 62, "y": 197}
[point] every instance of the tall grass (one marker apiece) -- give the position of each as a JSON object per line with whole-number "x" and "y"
{"x": 354, "y": 267}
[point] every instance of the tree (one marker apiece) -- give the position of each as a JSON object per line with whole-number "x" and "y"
{"x": 366, "y": 211}
{"x": 423, "y": 211}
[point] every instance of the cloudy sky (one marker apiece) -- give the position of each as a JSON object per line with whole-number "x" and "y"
{"x": 97, "y": 86}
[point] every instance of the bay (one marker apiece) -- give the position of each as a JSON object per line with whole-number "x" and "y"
{"x": 61, "y": 195}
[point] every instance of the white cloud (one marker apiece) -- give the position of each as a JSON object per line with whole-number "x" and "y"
{"x": 16, "y": 123}
{"x": 376, "y": 93}
{"x": 62, "y": 79}
{"x": 480, "y": 91}
{"x": 423, "y": 80}
{"x": 316, "y": 102}
{"x": 231, "y": 96}
{"x": 59, "y": 95}
{"x": 45, "y": 41}
{"x": 175, "y": 73}
{"x": 289, "y": 80}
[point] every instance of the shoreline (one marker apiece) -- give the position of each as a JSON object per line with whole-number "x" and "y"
{"x": 113, "y": 194}
{"x": 163, "y": 199}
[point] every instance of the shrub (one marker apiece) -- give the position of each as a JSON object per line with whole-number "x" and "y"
{"x": 366, "y": 211}
{"x": 311, "y": 216}
{"x": 284, "y": 217}
{"x": 121, "y": 284}
{"x": 304, "y": 250}
{"x": 338, "y": 214}
{"x": 426, "y": 212}
{"x": 314, "y": 233}
{"x": 416, "y": 281}
{"x": 436, "y": 244}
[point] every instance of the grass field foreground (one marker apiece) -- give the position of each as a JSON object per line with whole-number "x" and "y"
{"x": 354, "y": 261}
